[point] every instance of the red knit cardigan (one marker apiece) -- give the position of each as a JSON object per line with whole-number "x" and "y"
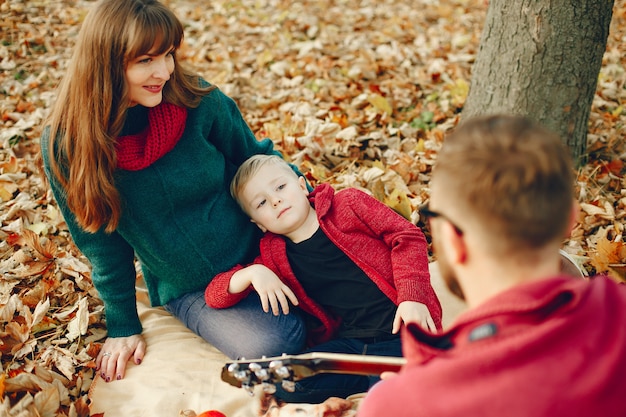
{"x": 388, "y": 248}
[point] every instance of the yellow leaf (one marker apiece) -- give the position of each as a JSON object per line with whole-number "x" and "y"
{"x": 264, "y": 57}
{"x": 618, "y": 111}
{"x": 273, "y": 130}
{"x": 39, "y": 228}
{"x": 378, "y": 190}
{"x": 5, "y": 195}
{"x": 399, "y": 202}
{"x": 459, "y": 91}
{"x": 380, "y": 103}
{"x": 317, "y": 171}
{"x": 420, "y": 146}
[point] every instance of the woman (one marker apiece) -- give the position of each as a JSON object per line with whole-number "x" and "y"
{"x": 139, "y": 153}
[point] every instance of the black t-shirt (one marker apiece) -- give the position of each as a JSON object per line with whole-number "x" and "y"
{"x": 330, "y": 277}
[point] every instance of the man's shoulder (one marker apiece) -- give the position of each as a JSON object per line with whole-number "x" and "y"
{"x": 607, "y": 288}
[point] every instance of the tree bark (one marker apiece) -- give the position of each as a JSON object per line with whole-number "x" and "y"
{"x": 541, "y": 59}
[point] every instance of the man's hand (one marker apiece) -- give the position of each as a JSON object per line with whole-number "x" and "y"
{"x": 413, "y": 312}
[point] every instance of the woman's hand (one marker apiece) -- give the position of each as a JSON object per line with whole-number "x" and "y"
{"x": 115, "y": 354}
{"x": 413, "y": 312}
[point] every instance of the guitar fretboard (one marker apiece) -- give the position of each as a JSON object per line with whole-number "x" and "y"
{"x": 290, "y": 368}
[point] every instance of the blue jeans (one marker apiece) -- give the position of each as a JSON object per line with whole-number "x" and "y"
{"x": 318, "y": 388}
{"x": 243, "y": 330}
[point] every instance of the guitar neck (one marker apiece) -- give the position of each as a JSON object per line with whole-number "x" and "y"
{"x": 318, "y": 362}
{"x": 276, "y": 369}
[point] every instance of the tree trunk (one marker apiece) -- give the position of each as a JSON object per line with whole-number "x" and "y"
{"x": 541, "y": 59}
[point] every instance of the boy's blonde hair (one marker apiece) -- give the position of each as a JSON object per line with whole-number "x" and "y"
{"x": 249, "y": 168}
{"x": 510, "y": 174}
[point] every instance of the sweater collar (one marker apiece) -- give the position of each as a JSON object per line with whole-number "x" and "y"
{"x": 524, "y": 300}
{"x": 321, "y": 198}
{"x": 166, "y": 124}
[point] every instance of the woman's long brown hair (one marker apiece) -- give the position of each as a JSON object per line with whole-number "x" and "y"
{"x": 92, "y": 101}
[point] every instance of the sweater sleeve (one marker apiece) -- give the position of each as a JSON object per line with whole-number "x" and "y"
{"x": 407, "y": 245}
{"x": 230, "y": 133}
{"x": 216, "y": 294}
{"x": 111, "y": 258}
{"x": 228, "y": 130}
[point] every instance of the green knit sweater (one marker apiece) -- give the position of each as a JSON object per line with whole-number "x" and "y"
{"x": 178, "y": 217}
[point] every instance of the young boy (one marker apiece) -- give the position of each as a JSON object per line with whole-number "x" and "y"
{"x": 358, "y": 269}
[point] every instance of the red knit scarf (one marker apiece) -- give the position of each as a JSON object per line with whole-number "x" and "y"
{"x": 166, "y": 123}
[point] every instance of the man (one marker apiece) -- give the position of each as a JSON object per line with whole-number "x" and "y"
{"x": 533, "y": 341}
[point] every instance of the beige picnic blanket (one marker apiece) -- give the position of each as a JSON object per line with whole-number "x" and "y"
{"x": 180, "y": 375}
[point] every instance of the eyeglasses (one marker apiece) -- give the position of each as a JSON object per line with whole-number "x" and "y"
{"x": 431, "y": 214}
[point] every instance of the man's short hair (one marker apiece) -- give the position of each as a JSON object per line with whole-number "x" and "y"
{"x": 512, "y": 176}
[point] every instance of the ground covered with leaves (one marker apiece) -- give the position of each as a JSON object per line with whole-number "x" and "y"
{"x": 358, "y": 93}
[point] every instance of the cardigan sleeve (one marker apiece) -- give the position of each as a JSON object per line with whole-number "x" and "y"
{"x": 274, "y": 257}
{"x": 406, "y": 243}
{"x": 216, "y": 294}
{"x": 111, "y": 258}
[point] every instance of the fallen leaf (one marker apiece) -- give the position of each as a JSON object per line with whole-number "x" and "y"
{"x": 609, "y": 257}
{"x": 40, "y": 311}
{"x": 48, "y": 402}
{"x": 380, "y": 103}
{"x": 400, "y": 203}
{"x": 78, "y": 325}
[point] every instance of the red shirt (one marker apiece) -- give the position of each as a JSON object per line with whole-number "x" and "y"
{"x": 554, "y": 348}
{"x": 389, "y": 249}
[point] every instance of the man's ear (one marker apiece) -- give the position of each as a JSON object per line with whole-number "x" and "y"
{"x": 263, "y": 229}
{"x": 455, "y": 243}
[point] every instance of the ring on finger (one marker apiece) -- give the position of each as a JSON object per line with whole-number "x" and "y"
{"x": 106, "y": 354}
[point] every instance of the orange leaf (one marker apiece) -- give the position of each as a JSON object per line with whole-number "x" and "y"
{"x": 14, "y": 239}
{"x": 47, "y": 250}
{"x": 608, "y": 253}
{"x": 615, "y": 166}
{"x": 2, "y": 378}
{"x": 10, "y": 167}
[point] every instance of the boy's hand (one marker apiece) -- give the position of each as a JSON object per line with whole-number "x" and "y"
{"x": 272, "y": 291}
{"x": 413, "y": 312}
